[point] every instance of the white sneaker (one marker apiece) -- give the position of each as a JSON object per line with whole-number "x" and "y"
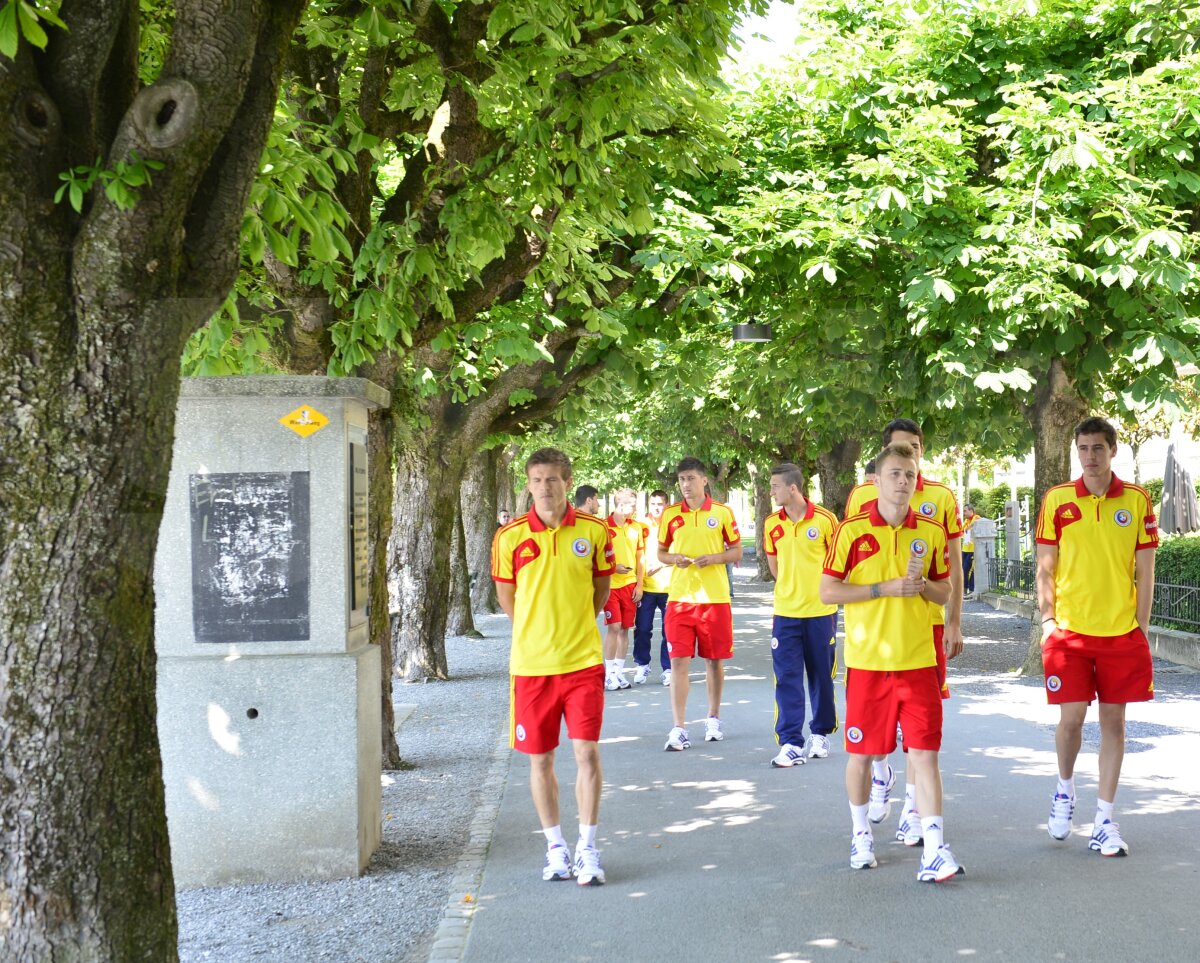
{"x": 818, "y": 747}
{"x": 788, "y": 756}
{"x": 1062, "y": 808}
{"x": 881, "y": 797}
{"x": 622, "y": 682}
{"x": 677, "y": 740}
{"x": 641, "y": 675}
{"x": 666, "y": 677}
{"x": 712, "y": 730}
{"x": 909, "y": 831}
{"x": 588, "y": 871}
{"x": 610, "y": 683}
{"x": 862, "y": 851}
{"x": 558, "y": 863}
{"x": 942, "y": 867}
{"x": 1106, "y": 840}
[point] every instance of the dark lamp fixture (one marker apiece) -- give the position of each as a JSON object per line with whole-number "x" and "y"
{"x": 753, "y": 331}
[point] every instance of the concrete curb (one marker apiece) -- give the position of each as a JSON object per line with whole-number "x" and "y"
{"x": 1182, "y": 648}
{"x": 450, "y": 940}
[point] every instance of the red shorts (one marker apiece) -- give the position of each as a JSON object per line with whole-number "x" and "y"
{"x": 541, "y": 702}
{"x": 876, "y": 701}
{"x": 1115, "y": 668}
{"x": 699, "y": 628}
{"x": 939, "y": 649}
{"x": 620, "y": 607}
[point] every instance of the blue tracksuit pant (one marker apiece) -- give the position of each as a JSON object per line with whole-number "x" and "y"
{"x": 643, "y": 628}
{"x": 799, "y": 647}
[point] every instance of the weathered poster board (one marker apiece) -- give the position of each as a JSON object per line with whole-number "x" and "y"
{"x": 250, "y": 556}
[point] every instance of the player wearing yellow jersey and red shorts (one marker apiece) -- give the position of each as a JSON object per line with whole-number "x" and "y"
{"x": 795, "y": 540}
{"x": 1096, "y": 538}
{"x": 885, "y": 565}
{"x": 933, "y": 500}
{"x": 655, "y": 586}
{"x": 552, "y": 569}
{"x": 698, "y": 537}
{"x": 620, "y": 611}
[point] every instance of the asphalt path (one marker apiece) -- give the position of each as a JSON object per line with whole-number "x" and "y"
{"x": 712, "y": 855}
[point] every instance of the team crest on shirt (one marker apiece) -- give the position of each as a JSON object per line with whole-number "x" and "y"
{"x": 520, "y": 733}
{"x": 774, "y": 642}
{"x": 920, "y": 547}
{"x": 711, "y": 523}
{"x": 581, "y": 547}
{"x": 1053, "y": 683}
{"x": 1122, "y": 517}
{"x": 813, "y": 533}
{"x": 854, "y": 734}
{"x": 929, "y": 509}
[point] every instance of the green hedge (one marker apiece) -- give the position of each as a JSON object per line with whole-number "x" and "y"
{"x": 1178, "y": 559}
{"x": 990, "y": 502}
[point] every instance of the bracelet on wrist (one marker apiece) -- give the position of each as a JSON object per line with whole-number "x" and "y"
{"x": 1050, "y": 619}
{"x": 874, "y": 590}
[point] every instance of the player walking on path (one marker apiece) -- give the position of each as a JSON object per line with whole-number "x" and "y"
{"x": 629, "y": 551}
{"x": 1096, "y": 538}
{"x": 885, "y": 565}
{"x": 795, "y": 540}
{"x": 552, "y": 569}
{"x": 698, "y": 537}
{"x": 655, "y": 587}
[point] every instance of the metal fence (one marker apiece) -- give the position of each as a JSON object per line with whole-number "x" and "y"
{"x": 1176, "y": 606}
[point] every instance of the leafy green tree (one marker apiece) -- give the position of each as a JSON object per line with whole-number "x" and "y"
{"x": 150, "y": 152}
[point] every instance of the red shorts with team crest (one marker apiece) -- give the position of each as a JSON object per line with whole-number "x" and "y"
{"x": 620, "y": 608}
{"x": 699, "y": 628}
{"x": 1114, "y": 668}
{"x": 876, "y": 701}
{"x": 540, "y": 703}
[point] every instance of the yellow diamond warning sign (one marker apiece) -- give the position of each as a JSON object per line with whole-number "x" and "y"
{"x": 304, "y": 421}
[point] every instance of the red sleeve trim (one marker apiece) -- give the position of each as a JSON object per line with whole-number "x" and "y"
{"x": 602, "y": 572}
{"x": 939, "y": 578}
{"x": 509, "y": 581}
{"x": 840, "y": 576}
{"x": 1046, "y": 541}
{"x": 1153, "y": 544}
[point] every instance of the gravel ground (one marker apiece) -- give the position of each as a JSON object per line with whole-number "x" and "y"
{"x": 391, "y": 914}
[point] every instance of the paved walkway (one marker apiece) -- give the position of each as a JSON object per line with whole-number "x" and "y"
{"x": 712, "y": 855}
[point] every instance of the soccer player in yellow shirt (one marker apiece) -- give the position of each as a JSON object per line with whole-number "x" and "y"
{"x": 629, "y": 551}
{"x": 552, "y": 569}
{"x": 655, "y": 586}
{"x": 1096, "y": 538}
{"x": 885, "y": 565}
{"x": 697, "y": 537}
{"x": 795, "y": 540}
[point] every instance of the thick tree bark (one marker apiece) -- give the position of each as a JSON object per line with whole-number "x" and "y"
{"x": 459, "y": 620}
{"x": 836, "y": 469}
{"x": 506, "y": 480}
{"x": 1057, "y": 408}
{"x": 95, "y": 311}
{"x": 479, "y": 510}
{"x": 762, "y": 508}
{"x": 379, "y": 463}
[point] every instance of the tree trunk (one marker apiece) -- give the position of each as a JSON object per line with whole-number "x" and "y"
{"x": 459, "y": 620}
{"x": 379, "y": 463}
{"x": 836, "y": 469}
{"x": 95, "y": 311}
{"x": 1057, "y": 408}
{"x": 479, "y": 510}
{"x": 762, "y": 508}
{"x": 507, "y": 496}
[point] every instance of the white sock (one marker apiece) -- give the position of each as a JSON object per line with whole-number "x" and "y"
{"x": 910, "y": 797}
{"x": 610, "y": 667}
{"x": 1066, "y": 787}
{"x": 879, "y": 771}
{"x": 587, "y": 836}
{"x": 858, "y": 816}
{"x": 931, "y": 829}
{"x": 1104, "y": 812}
{"x": 554, "y": 836}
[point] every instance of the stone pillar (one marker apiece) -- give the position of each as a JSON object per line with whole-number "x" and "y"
{"x": 268, "y": 685}
{"x": 984, "y": 531}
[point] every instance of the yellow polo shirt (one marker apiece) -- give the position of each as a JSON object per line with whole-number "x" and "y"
{"x": 1097, "y": 538}
{"x": 705, "y": 531}
{"x": 629, "y": 544}
{"x": 554, "y": 620}
{"x": 660, "y": 581}
{"x": 799, "y": 547}
{"x": 887, "y": 634}
{"x": 931, "y": 499}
